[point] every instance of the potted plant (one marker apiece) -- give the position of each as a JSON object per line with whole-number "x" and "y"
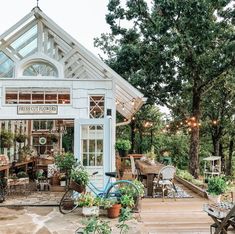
{"x": 113, "y": 207}
{"x": 22, "y": 174}
{"x": 65, "y": 162}
{"x": 123, "y": 146}
{"x": 79, "y": 178}
{"x": 94, "y": 225}
{"x": 41, "y": 180}
{"x": 151, "y": 156}
{"x": 136, "y": 193}
{"x": 54, "y": 138}
{"x": 89, "y": 204}
{"x": 63, "y": 179}
{"x": 216, "y": 187}
{"x": 6, "y": 138}
{"x": 20, "y": 138}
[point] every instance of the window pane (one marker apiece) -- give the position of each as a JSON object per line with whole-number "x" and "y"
{"x": 96, "y": 106}
{"x": 63, "y": 98}
{"x": 85, "y": 160}
{"x": 50, "y": 97}
{"x": 37, "y": 97}
{"x": 25, "y": 97}
{"x": 11, "y": 97}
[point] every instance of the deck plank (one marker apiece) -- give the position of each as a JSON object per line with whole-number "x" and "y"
{"x": 183, "y": 216}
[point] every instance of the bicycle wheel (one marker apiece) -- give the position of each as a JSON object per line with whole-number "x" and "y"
{"x": 122, "y": 187}
{"x": 68, "y": 201}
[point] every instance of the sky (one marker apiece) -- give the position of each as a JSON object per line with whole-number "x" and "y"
{"x": 82, "y": 19}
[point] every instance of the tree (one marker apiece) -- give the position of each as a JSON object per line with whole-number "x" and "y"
{"x": 171, "y": 48}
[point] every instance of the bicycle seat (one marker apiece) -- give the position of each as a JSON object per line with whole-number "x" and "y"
{"x": 111, "y": 174}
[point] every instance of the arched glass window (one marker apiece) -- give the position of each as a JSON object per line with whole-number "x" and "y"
{"x": 40, "y": 69}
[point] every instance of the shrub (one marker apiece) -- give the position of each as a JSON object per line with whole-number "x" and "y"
{"x": 216, "y": 186}
{"x": 122, "y": 144}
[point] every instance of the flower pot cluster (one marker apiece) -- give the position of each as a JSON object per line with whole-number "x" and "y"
{"x": 129, "y": 199}
{"x": 20, "y": 178}
{"x": 216, "y": 187}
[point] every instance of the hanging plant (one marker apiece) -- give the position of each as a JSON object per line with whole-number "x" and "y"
{"x": 6, "y": 138}
{"x": 54, "y": 138}
{"x": 20, "y": 138}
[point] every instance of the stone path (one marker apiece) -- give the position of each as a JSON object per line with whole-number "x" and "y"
{"x": 48, "y": 220}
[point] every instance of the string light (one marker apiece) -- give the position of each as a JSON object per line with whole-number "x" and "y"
{"x": 133, "y": 102}
{"x": 214, "y": 122}
{"x": 123, "y": 106}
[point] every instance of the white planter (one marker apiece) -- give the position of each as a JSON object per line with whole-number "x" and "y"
{"x": 63, "y": 183}
{"x": 214, "y": 198}
{"x": 90, "y": 211}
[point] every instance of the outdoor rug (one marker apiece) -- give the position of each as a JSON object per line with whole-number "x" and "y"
{"x": 179, "y": 194}
{"x": 44, "y": 198}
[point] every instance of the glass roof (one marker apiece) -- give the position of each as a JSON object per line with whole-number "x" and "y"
{"x": 6, "y": 66}
{"x": 26, "y": 44}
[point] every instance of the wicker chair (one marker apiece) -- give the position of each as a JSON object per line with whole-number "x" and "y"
{"x": 165, "y": 182}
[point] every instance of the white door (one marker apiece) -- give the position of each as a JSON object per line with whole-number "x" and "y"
{"x": 92, "y": 151}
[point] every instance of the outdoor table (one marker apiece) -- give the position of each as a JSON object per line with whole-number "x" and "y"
{"x": 220, "y": 214}
{"x": 150, "y": 170}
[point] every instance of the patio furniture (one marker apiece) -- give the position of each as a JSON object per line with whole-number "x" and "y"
{"x": 141, "y": 177}
{"x": 133, "y": 167}
{"x": 212, "y": 166}
{"x": 150, "y": 170}
{"x": 119, "y": 167}
{"x": 223, "y": 215}
{"x": 165, "y": 180}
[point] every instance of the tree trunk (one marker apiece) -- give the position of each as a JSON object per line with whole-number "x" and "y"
{"x": 141, "y": 140}
{"x": 194, "y": 140}
{"x": 230, "y": 157}
{"x": 222, "y": 157}
{"x": 216, "y": 145}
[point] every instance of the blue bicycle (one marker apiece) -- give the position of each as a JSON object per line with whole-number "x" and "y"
{"x": 111, "y": 189}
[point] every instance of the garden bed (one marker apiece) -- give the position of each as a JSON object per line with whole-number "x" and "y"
{"x": 201, "y": 192}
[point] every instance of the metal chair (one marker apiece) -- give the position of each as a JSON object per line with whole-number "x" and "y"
{"x": 165, "y": 180}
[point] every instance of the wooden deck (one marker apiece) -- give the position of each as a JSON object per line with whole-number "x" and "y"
{"x": 183, "y": 216}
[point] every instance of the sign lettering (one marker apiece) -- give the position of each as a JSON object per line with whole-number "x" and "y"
{"x": 34, "y": 109}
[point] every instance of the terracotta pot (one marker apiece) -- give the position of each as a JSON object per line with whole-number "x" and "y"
{"x": 114, "y": 211}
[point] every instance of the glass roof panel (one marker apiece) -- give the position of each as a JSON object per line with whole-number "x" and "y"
{"x": 29, "y": 48}
{"x": 27, "y": 42}
{"x": 6, "y": 66}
